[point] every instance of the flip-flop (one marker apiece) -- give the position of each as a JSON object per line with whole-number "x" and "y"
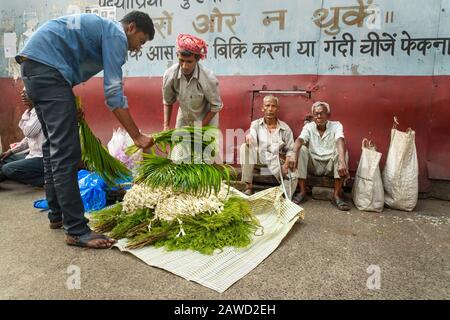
{"x": 299, "y": 198}
{"x": 248, "y": 192}
{"x": 340, "y": 204}
{"x": 82, "y": 241}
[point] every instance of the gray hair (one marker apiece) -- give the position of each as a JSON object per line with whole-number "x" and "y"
{"x": 271, "y": 98}
{"x": 321, "y": 104}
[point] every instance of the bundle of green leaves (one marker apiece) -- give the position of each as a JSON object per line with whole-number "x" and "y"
{"x": 97, "y": 158}
{"x": 205, "y": 232}
{"x": 199, "y": 139}
{"x": 191, "y": 175}
{"x": 231, "y": 225}
{"x": 199, "y": 179}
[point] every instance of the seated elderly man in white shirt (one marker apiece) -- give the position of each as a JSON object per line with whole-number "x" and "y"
{"x": 322, "y": 151}
{"x": 23, "y": 162}
{"x": 268, "y": 146}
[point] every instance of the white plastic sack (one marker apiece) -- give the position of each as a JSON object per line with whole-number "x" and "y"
{"x": 119, "y": 142}
{"x": 401, "y": 173}
{"x": 368, "y": 192}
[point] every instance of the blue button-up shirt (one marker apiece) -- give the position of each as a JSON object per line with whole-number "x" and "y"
{"x": 80, "y": 46}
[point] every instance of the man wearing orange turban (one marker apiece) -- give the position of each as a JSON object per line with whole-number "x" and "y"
{"x": 193, "y": 85}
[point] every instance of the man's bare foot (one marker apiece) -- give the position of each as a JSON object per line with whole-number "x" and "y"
{"x": 91, "y": 240}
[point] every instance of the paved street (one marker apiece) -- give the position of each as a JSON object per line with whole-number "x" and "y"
{"x": 325, "y": 257}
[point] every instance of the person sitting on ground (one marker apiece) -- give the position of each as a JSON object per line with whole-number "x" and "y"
{"x": 320, "y": 150}
{"x": 23, "y": 162}
{"x": 270, "y": 144}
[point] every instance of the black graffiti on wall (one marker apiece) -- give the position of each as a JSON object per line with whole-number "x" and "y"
{"x": 130, "y": 4}
{"x": 374, "y": 45}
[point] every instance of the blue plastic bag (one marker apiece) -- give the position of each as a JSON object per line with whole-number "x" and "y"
{"x": 92, "y": 191}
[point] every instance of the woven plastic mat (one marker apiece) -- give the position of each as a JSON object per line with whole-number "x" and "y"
{"x": 222, "y": 269}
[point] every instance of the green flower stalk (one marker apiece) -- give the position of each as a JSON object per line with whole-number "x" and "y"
{"x": 96, "y": 157}
{"x": 198, "y": 179}
{"x": 168, "y": 139}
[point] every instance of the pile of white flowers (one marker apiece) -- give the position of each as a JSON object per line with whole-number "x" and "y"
{"x": 141, "y": 196}
{"x": 169, "y": 204}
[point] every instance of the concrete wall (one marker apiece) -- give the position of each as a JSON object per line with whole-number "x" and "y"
{"x": 256, "y": 45}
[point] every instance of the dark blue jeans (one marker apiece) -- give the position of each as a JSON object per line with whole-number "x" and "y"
{"x": 55, "y": 107}
{"x": 11, "y": 158}
{"x": 28, "y": 171}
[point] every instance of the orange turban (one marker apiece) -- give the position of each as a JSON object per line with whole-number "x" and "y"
{"x": 187, "y": 42}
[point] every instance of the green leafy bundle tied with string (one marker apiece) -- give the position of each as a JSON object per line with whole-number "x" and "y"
{"x": 190, "y": 174}
{"x": 199, "y": 179}
{"x": 234, "y": 226}
{"x": 96, "y": 157}
{"x": 206, "y": 135}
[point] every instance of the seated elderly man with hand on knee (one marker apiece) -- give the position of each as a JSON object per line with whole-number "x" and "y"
{"x": 269, "y": 144}
{"x": 320, "y": 150}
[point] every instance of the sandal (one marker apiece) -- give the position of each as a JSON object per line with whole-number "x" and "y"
{"x": 299, "y": 198}
{"x": 248, "y": 192}
{"x": 88, "y": 240}
{"x": 340, "y": 204}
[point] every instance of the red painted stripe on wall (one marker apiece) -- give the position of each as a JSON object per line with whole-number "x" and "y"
{"x": 365, "y": 105}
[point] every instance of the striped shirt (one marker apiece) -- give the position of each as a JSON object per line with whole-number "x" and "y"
{"x": 31, "y": 128}
{"x": 272, "y": 144}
